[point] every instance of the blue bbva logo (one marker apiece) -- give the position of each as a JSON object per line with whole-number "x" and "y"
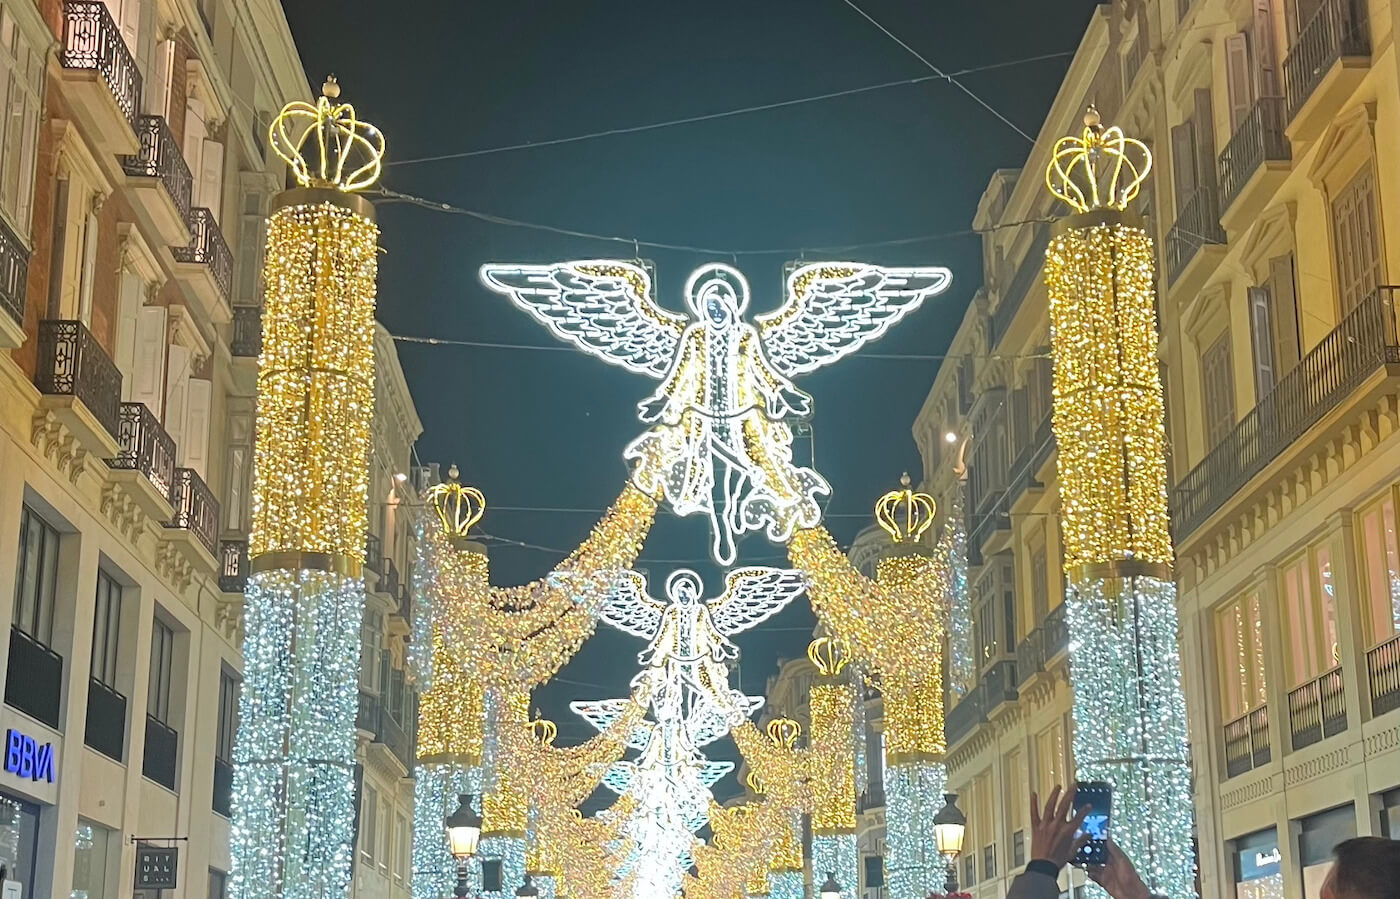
{"x": 26, "y": 758}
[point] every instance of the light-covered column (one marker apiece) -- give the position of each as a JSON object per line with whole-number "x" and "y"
{"x": 1125, "y": 664}
{"x": 837, "y": 743}
{"x": 294, "y": 757}
{"x": 505, "y": 803}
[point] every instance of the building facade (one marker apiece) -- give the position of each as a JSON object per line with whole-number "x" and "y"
{"x": 134, "y": 180}
{"x": 1269, "y": 122}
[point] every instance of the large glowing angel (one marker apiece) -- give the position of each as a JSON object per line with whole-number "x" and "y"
{"x": 719, "y": 442}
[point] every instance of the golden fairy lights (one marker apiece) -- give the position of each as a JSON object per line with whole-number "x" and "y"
{"x": 1100, "y": 169}
{"x": 326, "y": 145}
{"x": 458, "y": 506}
{"x": 904, "y": 514}
{"x": 451, "y": 712}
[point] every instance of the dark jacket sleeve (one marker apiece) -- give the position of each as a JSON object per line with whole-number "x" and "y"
{"x": 1033, "y": 885}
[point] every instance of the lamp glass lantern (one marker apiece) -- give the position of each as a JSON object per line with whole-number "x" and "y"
{"x": 830, "y": 889}
{"x": 463, "y": 829}
{"x": 527, "y": 890}
{"x": 949, "y": 828}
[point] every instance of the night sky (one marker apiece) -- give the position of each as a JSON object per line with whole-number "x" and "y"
{"x": 545, "y": 429}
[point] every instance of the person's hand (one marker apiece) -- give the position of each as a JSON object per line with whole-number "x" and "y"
{"x": 1118, "y": 876}
{"x": 1055, "y": 834}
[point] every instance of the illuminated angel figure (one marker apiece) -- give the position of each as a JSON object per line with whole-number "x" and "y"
{"x": 689, "y": 636}
{"x": 720, "y": 443}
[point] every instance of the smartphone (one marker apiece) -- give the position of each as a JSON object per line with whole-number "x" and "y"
{"x": 1099, "y": 797}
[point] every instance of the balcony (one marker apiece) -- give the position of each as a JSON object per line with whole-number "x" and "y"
{"x": 104, "y": 85}
{"x": 1027, "y": 275}
{"x": 969, "y": 712}
{"x": 999, "y": 684}
{"x": 160, "y": 181}
{"x": 1365, "y": 342}
{"x": 374, "y": 556}
{"x": 1254, "y": 163}
{"x": 372, "y": 716}
{"x": 1055, "y": 634}
{"x": 223, "y": 788}
{"x": 1383, "y": 672}
{"x": 1325, "y": 65}
{"x": 367, "y": 713}
{"x": 246, "y": 342}
{"x": 34, "y": 678}
{"x": 1317, "y": 710}
{"x": 145, "y": 461}
{"x": 205, "y": 265}
{"x": 1197, "y": 227}
{"x": 105, "y": 729}
{"x": 233, "y": 566}
{"x": 1247, "y": 742}
{"x": 162, "y": 752}
{"x": 196, "y": 509}
{"x": 1030, "y": 655}
{"x": 14, "y": 283}
{"x": 82, "y": 392}
{"x": 1030, "y": 459}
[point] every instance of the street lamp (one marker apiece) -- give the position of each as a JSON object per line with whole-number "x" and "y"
{"x": 527, "y": 890}
{"x": 831, "y": 889}
{"x": 949, "y": 827}
{"x": 463, "y": 833}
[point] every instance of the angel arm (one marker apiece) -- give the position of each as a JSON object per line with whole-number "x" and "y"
{"x": 835, "y": 308}
{"x": 753, "y": 595}
{"x": 602, "y": 307}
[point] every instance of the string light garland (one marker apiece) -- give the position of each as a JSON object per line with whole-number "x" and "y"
{"x": 1125, "y": 664}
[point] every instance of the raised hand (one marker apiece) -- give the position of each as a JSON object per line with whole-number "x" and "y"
{"x": 1055, "y": 833}
{"x": 1118, "y": 876}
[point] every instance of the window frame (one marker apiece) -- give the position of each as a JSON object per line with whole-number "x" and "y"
{"x": 1375, "y": 608}
{"x": 1244, "y": 657}
{"x": 27, "y": 80}
{"x": 106, "y": 630}
{"x": 161, "y": 671}
{"x": 34, "y": 614}
{"x": 230, "y": 688}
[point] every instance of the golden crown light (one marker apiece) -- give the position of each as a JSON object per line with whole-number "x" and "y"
{"x": 346, "y": 153}
{"x": 904, "y": 514}
{"x": 784, "y": 732}
{"x": 755, "y": 785}
{"x": 459, "y": 507}
{"x": 826, "y": 654}
{"x": 544, "y": 731}
{"x": 1099, "y": 169}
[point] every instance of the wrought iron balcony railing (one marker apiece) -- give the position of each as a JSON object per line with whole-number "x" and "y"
{"x": 999, "y": 683}
{"x": 14, "y": 274}
{"x": 1317, "y": 709}
{"x": 208, "y": 247}
{"x": 1247, "y": 742}
{"x": 233, "y": 565}
{"x": 969, "y": 711}
{"x": 1056, "y": 630}
{"x": 374, "y": 556}
{"x": 1259, "y": 139}
{"x": 1363, "y": 343}
{"x": 73, "y": 363}
{"x": 1383, "y": 672}
{"x": 92, "y": 41}
{"x": 1337, "y": 29}
{"x": 1030, "y": 655}
{"x": 146, "y": 448}
{"x": 1196, "y": 226}
{"x": 160, "y": 158}
{"x": 196, "y": 509}
{"x": 247, "y": 331}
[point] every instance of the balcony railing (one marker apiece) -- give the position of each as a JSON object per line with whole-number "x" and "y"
{"x": 970, "y": 711}
{"x": 1056, "y": 630}
{"x": 208, "y": 247}
{"x": 1383, "y": 672}
{"x": 14, "y": 275}
{"x": 999, "y": 684}
{"x": 367, "y": 712}
{"x": 233, "y": 565}
{"x": 196, "y": 509}
{"x": 1197, "y": 225}
{"x": 1363, "y": 343}
{"x": 162, "y": 752}
{"x": 1317, "y": 709}
{"x": 374, "y": 556}
{"x": 105, "y": 728}
{"x": 34, "y": 678}
{"x": 1030, "y": 655}
{"x": 395, "y": 738}
{"x": 92, "y": 41}
{"x": 247, "y": 331}
{"x": 73, "y": 363}
{"x": 1259, "y": 139}
{"x": 1337, "y": 29}
{"x": 160, "y": 158}
{"x": 1247, "y": 742}
{"x": 1027, "y": 274}
{"x": 146, "y": 448}
{"x": 389, "y": 580}
{"x": 223, "y": 787}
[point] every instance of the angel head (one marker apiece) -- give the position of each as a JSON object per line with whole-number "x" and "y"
{"x": 684, "y": 586}
{"x": 717, "y": 294}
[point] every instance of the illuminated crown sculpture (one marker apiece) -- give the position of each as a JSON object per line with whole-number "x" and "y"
{"x": 784, "y": 732}
{"x": 544, "y": 731}
{"x": 1100, "y": 169}
{"x": 459, "y": 507}
{"x": 347, "y": 154}
{"x": 904, "y": 514}
{"x": 825, "y": 653}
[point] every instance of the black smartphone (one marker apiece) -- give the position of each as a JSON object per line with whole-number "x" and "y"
{"x": 1099, "y": 797}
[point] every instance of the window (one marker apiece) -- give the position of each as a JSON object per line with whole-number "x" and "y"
{"x": 1311, "y": 627}
{"x": 90, "y": 846}
{"x": 1219, "y": 386}
{"x": 206, "y": 15}
{"x": 1356, "y": 240}
{"x": 218, "y": 884}
{"x": 106, "y": 623}
{"x": 1040, "y": 586}
{"x": 1050, "y": 759}
{"x": 401, "y": 847}
{"x": 369, "y": 816}
{"x": 1016, "y": 794}
{"x": 21, "y": 80}
{"x": 874, "y": 872}
{"x": 228, "y": 716}
{"x": 1380, "y": 570}
{"x": 490, "y": 875}
{"x": 162, "y": 661}
{"x": 1240, "y": 641}
{"x": 371, "y": 631}
{"x": 36, "y": 577}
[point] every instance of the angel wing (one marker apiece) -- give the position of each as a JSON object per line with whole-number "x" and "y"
{"x": 630, "y": 609}
{"x": 752, "y": 595}
{"x": 602, "y": 307}
{"x": 835, "y": 308}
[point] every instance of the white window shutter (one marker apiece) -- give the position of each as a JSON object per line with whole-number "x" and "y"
{"x": 198, "y": 398}
{"x": 128, "y": 308}
{"x": 161, "y": 72}
{"x": 1238, "y": 80}
{"x": 194, "y": 133}
{"x": 211, "y": 177}
{"x": 130, "y": 24}
{"x": 1261, "y": 330}
{"x": 177, "y": 382}
{"x": 148, "y": 380}
{"x": 89, "y": 269}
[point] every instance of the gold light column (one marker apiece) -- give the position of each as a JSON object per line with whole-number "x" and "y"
{"x": 294, "y": 754}
{"x": 834, "y": 701}
{"x": 1125, "y": 665}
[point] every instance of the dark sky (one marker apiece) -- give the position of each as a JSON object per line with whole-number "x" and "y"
{"x": 546, "y": 429}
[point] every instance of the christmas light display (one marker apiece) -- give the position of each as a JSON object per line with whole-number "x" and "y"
{"x": 294, "y": 753}
{"x": 952, "y": 549}
{"x": 1125, "y": 665}
{"x": 719, "y": 420}
{"x": 835, "y": 707}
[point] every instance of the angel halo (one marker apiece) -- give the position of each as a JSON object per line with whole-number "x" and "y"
{"x": 720, "y": 442}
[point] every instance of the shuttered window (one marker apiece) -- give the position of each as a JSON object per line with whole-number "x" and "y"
{"x": 1219, "y": 385}
{"x": 1356, "y": 242}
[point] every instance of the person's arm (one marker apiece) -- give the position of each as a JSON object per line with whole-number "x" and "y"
{"x": 1119, "y": 877}
{"x": 1055, "y": 838}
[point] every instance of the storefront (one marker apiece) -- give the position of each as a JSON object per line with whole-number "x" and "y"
{"x": 1320, "y": 833}
{"x": 1258, "y": 866}
{"x": 19, "y": 840}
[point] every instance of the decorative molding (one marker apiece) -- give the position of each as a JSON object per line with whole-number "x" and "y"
{"x": 173, "y": 565}
{"x": 58, "y": 444}
{"x": 228, "y": 617}
{"x": 1317, "y": 766}
{"x": 123, "y": 511}
{"x": 1382, "y": 742}
{"x": 1261, "y": 788}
